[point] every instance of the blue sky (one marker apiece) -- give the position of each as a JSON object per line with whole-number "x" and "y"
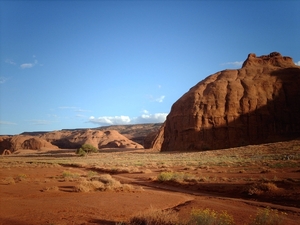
{"x": 85, "y": 64}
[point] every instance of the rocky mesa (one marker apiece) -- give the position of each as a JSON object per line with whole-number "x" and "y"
{"x": 65, "y": 139}
{"x": 256, "y": 104}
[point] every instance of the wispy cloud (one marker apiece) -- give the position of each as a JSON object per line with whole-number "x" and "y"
{"x": 6, "y": 123}
{"x": 157, "y": 99}
{"x": 9, "y": 61}
{"x": 160, "y": 99}
{"x": 28, "y": 65}
{"x": 67, "y": 107}
{"x": 74, "y": 108}
{"x": 235, "y": 64}
{"x": 146, "y": 117}
{"x": 81, "y": 110}
{"x": 297, "y": 63}
{"x": 40, "y": 122}
{"x": 3, "y": 79}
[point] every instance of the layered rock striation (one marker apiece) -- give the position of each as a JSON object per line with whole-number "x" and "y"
{"x": 256, "y": 104}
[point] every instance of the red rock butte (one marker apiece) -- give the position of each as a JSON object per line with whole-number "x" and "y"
{"x": 256, "y": 104}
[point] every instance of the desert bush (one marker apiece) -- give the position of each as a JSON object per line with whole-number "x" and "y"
{"x": 210, "y": 217}
{"x": 21, "y": 177}
{"x": 261, "y": 188}
{"x": 91, "y": 173}
{"x": 171, "y": 176}
{"x": 155, "y": 217}
{"x": 8, "y": 180}
{"x": 86, "y": 149}
{"x": 51, "y": 188}
{"x": 268, "y": 216}
{"x": 88, "y": 186}
{"x": 103, "y": 182}
{"x": 68, "y": 176}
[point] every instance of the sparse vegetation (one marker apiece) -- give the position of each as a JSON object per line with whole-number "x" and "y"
{"x": 69, "y": 176}
{"x": 86, "y": 149}
{"x": 268, "y": 216}
{"x": 265, "y": 216}
{"x": 172, "y": 176}
{"x": 103, "y": 182}
{"x": 254, "y": 172}
{"x": 155, "y": 217}
{"x": 210, "y": 217}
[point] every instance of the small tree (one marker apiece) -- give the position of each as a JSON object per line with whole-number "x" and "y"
{"x": 86, "y": 149}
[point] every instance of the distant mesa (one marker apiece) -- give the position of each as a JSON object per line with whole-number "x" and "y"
{"x": 117, "y": 136}
{"x": 100, "y": 139}
{"x": 256, "y": 104}
{"x": 11, "y": 144}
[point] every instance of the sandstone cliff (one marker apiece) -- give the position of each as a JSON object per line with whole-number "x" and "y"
{"x": 255, "y": 104}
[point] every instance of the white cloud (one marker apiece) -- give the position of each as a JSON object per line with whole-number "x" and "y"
{"x": 26, "y": 65}
{"x": 160, "y": 99}
{"x": 146, "y": 117}
{"x": 110, "y": 120}
{"x": 29, "y": 65}
{"x": 6, "y": 123}
{"x": 151, "y": 118}
{"x": 297, "y": 63}
{"x": 145, "y": 111}
{"x": 236, "y": 63}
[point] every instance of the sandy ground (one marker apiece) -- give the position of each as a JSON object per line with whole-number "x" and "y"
{"x": 38, "y": 194}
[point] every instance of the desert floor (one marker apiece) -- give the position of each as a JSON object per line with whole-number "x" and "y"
{"x": 58, "y": 187}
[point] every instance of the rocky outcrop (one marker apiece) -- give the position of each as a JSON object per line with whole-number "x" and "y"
{"x": 17, "y": 142}
{"x": 100, "y": 139}
{"x": 255, "y": 104}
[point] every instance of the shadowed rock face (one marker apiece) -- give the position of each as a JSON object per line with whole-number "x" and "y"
{"x": 256, "y": 104}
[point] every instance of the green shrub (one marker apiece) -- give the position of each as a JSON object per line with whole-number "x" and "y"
{"x": 210, "y": 217}
{"x": 80, "y": 152}
{"x": 171, "y": 176}
{"x": 86, "y": 149}
{"x": 268, "y": 216}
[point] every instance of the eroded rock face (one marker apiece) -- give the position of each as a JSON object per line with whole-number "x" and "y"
{"x": 255, "y": 104}
{"x": 17, "y": 142}
{"x": 99, "y": 139}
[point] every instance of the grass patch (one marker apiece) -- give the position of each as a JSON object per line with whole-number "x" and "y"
{"x": 262, "y": 188}
{"x": 210, "y": 217}
{"x": 268, "y": 216}
{"x": 104, "y": 182}
{"x": 155, "y": 217}
{"x": 173, "y": 176}
{"x": 69, "y": 176}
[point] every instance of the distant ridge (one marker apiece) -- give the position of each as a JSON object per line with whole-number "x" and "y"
{"x": 134, "y": 132}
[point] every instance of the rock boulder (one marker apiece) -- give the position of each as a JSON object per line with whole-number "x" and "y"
{"x": 256, "y": 104}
